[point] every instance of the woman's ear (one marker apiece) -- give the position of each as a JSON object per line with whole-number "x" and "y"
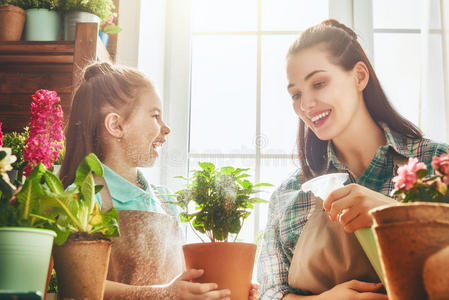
{"x": 113, "y": 125}
{"x": 361, "y": 75}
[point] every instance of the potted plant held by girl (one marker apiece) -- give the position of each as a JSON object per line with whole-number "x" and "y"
{"x": 223, "y": 201}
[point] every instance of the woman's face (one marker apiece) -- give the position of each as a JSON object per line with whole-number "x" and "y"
{"x": 325, "y": 96}
{"x": 144, "y": 131}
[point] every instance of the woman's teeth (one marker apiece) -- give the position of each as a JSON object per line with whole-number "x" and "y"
{"x": 320, "y": 116}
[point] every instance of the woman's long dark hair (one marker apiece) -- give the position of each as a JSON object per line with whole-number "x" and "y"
{"x": 345, "y": 51}
{"x": 104, "y": 88}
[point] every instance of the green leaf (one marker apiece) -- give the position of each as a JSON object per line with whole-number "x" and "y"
{"x": 31, "y": 192}
{"x": 53, "y": 182}
{"x": 88, "y": 192}
{"x": 262, "y": 184}
{"x": 91, "y": 163}
{"x": 109, "y": 225}
{"x": 98, "y": 188}
{"x": 227, "y": 170}
{"x": 6, "y": 189}
{"x": 2, "y": 154}
{"x": 258, "y": 200}
{"x": 207, "y": 166}
{"x": 112, "y": 29}
{"x": 422, "y": 173}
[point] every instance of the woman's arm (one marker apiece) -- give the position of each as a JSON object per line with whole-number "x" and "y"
{"x": 352, "y": 289}
{"x": 180, "y": 288}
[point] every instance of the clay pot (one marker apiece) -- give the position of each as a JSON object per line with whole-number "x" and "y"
{"x": 230, "y": 265}
{"x": 12, "y": 19}
{"x": 407, "y": 235}
{"x": 50, "y": 269}
{"x": 81, "y": 268}
{"x": 436, "y": 275}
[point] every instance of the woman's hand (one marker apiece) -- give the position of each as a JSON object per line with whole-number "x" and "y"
{"x": 354, "y": 289}
{"x": 182, "y": 288}
{"x": 254, "y": 292}
{"x": 350, "y": 205}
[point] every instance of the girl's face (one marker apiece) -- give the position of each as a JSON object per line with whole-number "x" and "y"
{"x": 144, "y": 131}
{"x": 325, "y": 96}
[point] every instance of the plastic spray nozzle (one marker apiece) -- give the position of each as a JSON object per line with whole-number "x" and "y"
{"x": 323, "y": 185}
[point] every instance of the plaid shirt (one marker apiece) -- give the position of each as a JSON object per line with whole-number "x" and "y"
{"x": 290, "y": 208}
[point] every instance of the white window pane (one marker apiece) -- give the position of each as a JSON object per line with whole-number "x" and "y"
{"x": 433, "y": 113}
{"x": 219, "y": 15}
{"x": 293, "y": 14}
{"x": 274, "y": 171}
{"x": 397, "y": 65}
{"x": 223, "y": 100}
{"x": 279, "y": 122}
{"x": 404, "y": 14}
{"x": 247, "y": 232}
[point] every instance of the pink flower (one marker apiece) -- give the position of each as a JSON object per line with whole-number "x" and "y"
{"x": 46, "y": 135}
{"x": 407, "y": 176}
{"x": 1, "y": 135}
{"x": 441, "y": 164}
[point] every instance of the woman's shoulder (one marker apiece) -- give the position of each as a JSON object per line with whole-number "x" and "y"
{"x": 426, "y": 149}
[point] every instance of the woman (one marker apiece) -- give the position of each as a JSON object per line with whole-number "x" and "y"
{"x": 346, "y": 124}
{"x": 116, "y": 114}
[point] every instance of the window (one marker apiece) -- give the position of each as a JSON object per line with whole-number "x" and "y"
{"x": 225, "y": 82}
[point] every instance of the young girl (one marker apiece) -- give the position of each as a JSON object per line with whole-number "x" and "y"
{"x": 346, "y": 125}
{"x": 116, "y": 114}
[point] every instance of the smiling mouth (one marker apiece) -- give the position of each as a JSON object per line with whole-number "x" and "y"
{"x": 319, "y": 119}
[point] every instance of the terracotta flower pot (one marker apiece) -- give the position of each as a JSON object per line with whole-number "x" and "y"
{"x": 407, "y": 235}
{"x": 81, "y": 268}
{"x": 12, "y": 19}
{"x": 436, "y": 275}
{"x": 230, "y": 265}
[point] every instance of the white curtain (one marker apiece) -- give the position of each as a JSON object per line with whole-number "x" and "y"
{"x": 434, "y": 66}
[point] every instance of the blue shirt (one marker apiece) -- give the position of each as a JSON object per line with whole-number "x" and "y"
{"x": 127, "y": 196}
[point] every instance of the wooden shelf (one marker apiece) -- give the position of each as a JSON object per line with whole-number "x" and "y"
{"x": 28, "y": 66}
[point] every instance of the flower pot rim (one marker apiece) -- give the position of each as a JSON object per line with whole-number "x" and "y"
{"x": 412, "y": 223}
{"x": 41, "y": 8}
{"x": 29, "y": 229}
{"x": 13, "y": 8}
{"x": 219, "y": 243}
{"x": 95, "y": 241}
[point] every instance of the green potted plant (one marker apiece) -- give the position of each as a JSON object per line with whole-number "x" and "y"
{"x": 43, "y": 21}
{"x": 407, "y": 234}
{"x": 83, "y": 242}
{"x": 12, "y": 19}
{"x": 16, "y": 142}
{"x": 77, "y": 11}
{"x": 223, "y": 199}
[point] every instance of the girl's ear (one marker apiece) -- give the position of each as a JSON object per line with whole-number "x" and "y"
{"x": 361, "y": 75}
{"x": 113, "y": 125}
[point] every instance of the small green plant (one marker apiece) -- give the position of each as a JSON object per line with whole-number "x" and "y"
{"x": 223, "y": 200}
{"x": 16, "y": 141}
{"x": 42, "y": 202}
{"x": 48, "y": 4}
{"x": 102, "y": 8}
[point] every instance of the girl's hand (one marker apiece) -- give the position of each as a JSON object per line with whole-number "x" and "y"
{"x": 254, "y": 292}
{"x": 350, "y": 205}
{"x": 354, "y": 289}
{"x": 182, "y": 288}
